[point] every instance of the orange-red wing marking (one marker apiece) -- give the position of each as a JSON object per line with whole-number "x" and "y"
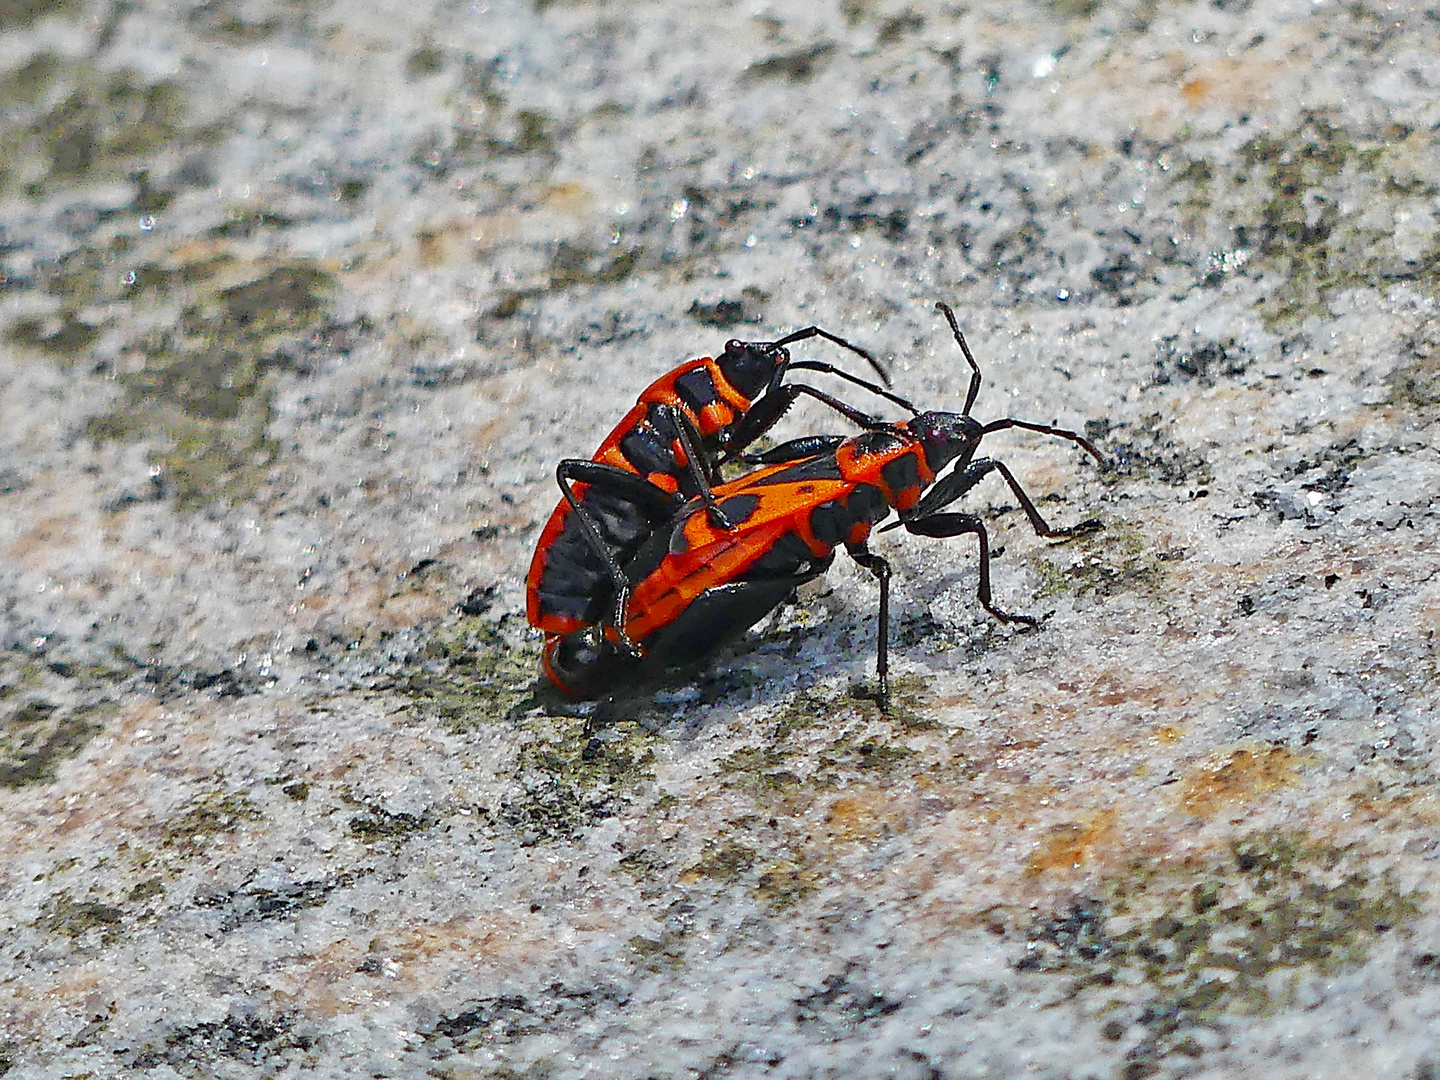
{"x": 703, "y": 556}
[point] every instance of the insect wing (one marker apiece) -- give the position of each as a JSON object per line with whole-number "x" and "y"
{"x": 765, "y": 511}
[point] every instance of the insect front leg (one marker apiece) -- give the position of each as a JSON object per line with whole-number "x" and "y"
{"x": 795, "y": 449}
{"x": 770, "y": 408}
{"x": 762, "y": 416}
{"x": 959, "y": 483}
{"x": 949, "y": 489}
{"x": 700, "y": 468}
{"x": 1037, "y": 522}
{"x": 815, "y": 331}
{"x": 942, "y": 526}
{"x": 831, "y": 369}
{"x": 1048, "y": 429}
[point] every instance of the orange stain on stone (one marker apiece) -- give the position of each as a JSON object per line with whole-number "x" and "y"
{"x": 1195, "y": 92}
{"x": 861, "y": 815}
{"x": 1247, "y": 774}
{"x": 36, "y": 546}
{"x": 1075, "y": 844}
{"x": 1234, "y": 84}
{"x": 342, "y": 976}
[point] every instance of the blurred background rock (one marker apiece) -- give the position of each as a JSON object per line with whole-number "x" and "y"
{"x": 301, "y": 302}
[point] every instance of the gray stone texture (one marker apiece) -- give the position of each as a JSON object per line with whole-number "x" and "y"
{"x": 300, "y": 303}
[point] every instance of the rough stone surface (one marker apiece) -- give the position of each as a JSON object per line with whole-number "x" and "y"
{"x": 301, "y": 302}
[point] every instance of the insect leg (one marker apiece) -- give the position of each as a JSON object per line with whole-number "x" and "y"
{"x": 958, "y": 483}
{"x": 949, "y": 489}
{"x": 947, "y": 525}
{"x": 1048, "y": 429}
{"x": 854, "y": 415}
{"x": 1036, "y": 521}
{"x": 831, "y": 369}
{"x": 881, "y": 569}
{"x": 795, "y": 449}
{"x": 774, "y": 405}
{"x": 627, "y": 485}
{"x": 697, "y": 466}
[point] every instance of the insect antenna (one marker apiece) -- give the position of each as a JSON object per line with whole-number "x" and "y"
{"x": 970, "y": 359}
{"x": 815, "y": 331}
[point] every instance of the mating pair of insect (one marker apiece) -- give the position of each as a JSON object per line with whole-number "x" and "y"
{"x": 653, "y": 560}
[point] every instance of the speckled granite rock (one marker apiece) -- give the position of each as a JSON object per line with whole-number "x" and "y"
{"x": 301, "y": 305}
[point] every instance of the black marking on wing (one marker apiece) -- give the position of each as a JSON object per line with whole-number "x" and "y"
{"x": 788, "y": 555}
{"x": 738, "y": 509}
{"x": 823, "y": 467}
